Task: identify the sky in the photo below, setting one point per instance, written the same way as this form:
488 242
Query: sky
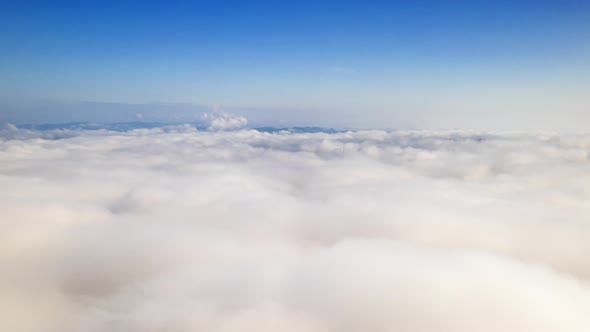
491 65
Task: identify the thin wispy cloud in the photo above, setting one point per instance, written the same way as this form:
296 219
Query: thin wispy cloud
341 70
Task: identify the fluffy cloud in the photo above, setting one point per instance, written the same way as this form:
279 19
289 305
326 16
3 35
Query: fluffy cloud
219 120
181 230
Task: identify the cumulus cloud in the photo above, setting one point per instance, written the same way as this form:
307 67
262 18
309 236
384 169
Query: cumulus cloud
219 120
177 229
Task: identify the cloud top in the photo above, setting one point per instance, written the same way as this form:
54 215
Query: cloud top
186 230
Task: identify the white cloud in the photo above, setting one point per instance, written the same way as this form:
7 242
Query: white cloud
219 120
181 230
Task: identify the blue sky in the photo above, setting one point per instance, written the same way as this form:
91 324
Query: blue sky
477 64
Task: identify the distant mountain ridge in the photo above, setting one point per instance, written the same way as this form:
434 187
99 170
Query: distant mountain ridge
298 130
126 126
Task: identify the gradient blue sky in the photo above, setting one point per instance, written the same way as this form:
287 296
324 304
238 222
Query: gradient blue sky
446 64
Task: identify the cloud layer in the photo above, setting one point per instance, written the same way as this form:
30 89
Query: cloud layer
174 229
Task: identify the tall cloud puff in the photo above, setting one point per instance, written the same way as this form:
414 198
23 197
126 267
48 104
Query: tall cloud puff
180 230
219 120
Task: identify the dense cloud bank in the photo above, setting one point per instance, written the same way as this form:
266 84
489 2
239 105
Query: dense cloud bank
174 229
